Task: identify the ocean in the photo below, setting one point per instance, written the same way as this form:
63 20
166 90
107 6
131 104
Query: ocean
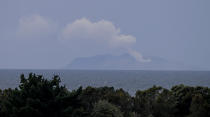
129 80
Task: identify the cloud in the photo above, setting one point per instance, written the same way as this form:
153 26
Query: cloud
99 37
35 26
79 38
138 56
101 31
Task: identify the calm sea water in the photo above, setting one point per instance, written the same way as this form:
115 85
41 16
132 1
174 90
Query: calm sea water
129 80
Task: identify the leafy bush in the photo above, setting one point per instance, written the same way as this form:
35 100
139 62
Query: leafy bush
39 97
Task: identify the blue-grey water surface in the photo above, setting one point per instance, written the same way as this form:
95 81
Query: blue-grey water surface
129 80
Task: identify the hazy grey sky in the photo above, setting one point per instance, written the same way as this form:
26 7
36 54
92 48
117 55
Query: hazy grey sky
51 33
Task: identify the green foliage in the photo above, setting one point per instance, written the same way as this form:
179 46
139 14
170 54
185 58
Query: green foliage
40 97
105 109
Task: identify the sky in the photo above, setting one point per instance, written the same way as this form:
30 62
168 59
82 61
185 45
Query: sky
49 34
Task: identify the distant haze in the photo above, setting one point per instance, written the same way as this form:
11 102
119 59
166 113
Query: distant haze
37 34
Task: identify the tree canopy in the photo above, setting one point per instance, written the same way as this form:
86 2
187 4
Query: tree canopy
40 97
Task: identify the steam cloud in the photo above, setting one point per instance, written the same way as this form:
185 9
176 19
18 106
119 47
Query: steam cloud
99 37
35 26
82 37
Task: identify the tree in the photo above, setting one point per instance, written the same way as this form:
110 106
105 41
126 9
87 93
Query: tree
40 97
199 107
105 109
